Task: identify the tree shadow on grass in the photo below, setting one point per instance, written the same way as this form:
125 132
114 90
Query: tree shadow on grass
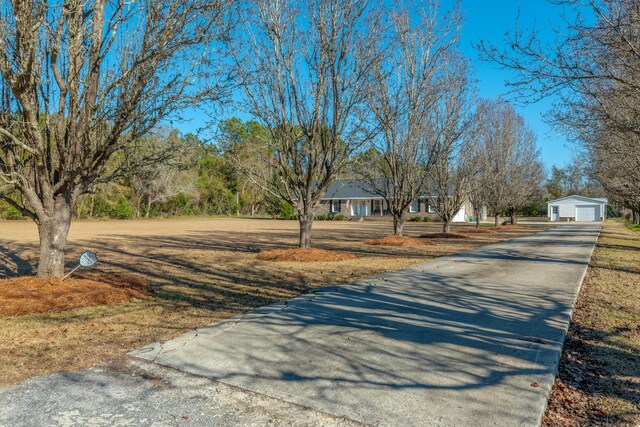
401 336
600 364
11 262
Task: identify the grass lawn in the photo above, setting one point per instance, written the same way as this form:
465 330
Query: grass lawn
201 270
599 380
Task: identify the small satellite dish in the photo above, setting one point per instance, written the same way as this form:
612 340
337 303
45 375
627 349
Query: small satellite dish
87 259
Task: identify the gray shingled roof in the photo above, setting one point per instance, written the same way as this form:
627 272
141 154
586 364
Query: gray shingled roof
350 189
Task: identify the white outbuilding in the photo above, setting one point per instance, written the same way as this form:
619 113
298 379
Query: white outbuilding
577 208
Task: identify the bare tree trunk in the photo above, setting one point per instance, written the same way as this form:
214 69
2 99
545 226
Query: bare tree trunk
238 203
478 214
306 222
146 214
497 218
398 222
513 216
446 225
91 208
54 231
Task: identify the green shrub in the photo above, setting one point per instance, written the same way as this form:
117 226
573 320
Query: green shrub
415 219
322 217
426 219
122 209
338 217
9 212
278 208
286 210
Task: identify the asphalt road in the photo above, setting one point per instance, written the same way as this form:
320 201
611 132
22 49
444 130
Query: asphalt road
469 339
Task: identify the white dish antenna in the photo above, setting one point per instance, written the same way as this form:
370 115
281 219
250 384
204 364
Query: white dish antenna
87 259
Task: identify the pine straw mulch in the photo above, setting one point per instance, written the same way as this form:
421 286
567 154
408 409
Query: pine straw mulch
398 241
29 294
305 255
450 235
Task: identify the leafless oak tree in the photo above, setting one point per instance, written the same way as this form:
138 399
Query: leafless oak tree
82 79
592 66
303 66
506 153
615 164
453 166
407 87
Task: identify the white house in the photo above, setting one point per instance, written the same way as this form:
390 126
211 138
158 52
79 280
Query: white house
356 198
577 208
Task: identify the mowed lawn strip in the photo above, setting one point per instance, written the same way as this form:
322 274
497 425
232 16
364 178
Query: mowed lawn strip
201 271
599 373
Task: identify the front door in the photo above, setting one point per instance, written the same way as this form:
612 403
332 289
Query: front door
363 208
555 213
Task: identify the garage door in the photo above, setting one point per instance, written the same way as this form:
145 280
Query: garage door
587 213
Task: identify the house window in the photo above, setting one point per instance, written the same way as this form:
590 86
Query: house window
431 208
335 206
415 207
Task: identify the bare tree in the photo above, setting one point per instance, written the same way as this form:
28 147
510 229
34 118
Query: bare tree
407 86
303 67
156 181
507 146
246 145
479 183
526 175
592 67
80 80
615 164
453 166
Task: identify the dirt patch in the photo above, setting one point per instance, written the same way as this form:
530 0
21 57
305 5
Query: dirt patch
29 295
398 241
456 235
305 255
477 231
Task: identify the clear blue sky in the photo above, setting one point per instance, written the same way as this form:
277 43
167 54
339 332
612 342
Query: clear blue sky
488 20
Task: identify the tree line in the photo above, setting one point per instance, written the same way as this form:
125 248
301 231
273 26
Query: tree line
592 68
86 87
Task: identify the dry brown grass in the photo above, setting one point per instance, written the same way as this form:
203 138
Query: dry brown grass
599 373
30 295
508 227
392 240
201 270
456 235
305 255
483 230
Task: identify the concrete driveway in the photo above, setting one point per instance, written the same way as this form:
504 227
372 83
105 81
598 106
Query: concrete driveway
469 339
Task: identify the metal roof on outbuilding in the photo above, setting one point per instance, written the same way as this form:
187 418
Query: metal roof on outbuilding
576 197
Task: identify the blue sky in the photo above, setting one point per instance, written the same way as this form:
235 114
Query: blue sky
488 20
491 20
